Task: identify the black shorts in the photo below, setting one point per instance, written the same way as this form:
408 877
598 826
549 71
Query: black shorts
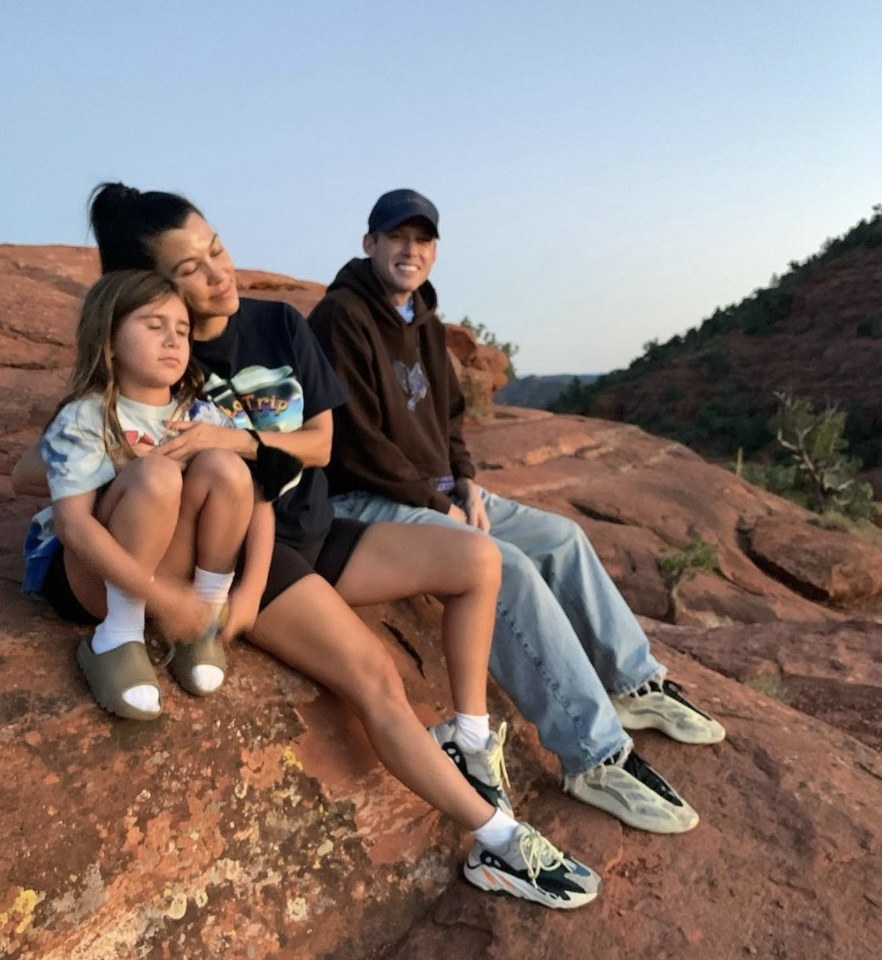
327 558
56 589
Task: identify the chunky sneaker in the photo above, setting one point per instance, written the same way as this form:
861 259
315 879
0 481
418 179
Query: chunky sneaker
532 868
628 788
662 706
484 769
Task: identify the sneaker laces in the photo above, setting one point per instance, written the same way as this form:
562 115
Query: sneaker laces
617 759
495 756
538 853
651 686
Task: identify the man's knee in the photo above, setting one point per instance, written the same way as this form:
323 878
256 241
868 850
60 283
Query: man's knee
517 568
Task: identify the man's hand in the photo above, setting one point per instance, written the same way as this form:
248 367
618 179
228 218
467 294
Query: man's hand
457 513
475 513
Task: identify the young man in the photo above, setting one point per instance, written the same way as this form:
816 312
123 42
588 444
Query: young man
566 648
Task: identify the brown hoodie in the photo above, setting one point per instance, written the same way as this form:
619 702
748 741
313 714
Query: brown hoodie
400 434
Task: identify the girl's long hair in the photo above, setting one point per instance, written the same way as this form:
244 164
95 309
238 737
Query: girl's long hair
106 306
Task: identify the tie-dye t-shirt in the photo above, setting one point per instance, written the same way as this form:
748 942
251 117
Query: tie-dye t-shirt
267 372
74 449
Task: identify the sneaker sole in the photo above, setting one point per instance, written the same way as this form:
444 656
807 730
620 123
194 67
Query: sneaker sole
671 823
649 720
493 882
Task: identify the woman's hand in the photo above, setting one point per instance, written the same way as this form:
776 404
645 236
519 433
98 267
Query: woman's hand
195 436
244 606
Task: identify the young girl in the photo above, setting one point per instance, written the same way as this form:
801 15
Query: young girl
268 372
134 527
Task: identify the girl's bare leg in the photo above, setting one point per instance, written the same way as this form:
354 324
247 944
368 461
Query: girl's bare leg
215 509
463 568
311 628
140 508
216 506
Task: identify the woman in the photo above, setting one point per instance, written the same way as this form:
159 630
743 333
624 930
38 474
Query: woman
265 370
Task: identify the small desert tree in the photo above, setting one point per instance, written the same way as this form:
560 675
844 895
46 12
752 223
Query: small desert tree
816 444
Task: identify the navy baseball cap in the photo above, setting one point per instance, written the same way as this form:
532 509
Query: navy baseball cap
393 208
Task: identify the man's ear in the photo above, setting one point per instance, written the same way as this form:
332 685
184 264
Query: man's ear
369 244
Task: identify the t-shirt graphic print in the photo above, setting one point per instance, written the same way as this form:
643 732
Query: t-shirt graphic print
257 398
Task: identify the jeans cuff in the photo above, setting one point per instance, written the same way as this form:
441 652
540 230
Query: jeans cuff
657 675
627 744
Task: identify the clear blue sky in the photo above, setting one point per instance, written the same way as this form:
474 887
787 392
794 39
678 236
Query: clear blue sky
606 172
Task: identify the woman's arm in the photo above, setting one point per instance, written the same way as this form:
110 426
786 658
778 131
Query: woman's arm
246 594
311 443
29 474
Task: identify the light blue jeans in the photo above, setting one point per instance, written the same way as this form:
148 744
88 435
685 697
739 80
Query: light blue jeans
564 635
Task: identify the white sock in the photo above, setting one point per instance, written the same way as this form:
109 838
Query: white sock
497 831
144 696
123 624
207 677
213 588
472 732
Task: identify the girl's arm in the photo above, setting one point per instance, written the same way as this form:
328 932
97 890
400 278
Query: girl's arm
29 474
246 594
311 443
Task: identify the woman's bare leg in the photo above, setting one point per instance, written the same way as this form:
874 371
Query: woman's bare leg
463 568
311 628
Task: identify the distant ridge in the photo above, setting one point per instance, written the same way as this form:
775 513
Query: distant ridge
538 392
815 332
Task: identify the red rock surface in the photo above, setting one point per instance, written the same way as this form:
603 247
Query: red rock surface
258 824
482 370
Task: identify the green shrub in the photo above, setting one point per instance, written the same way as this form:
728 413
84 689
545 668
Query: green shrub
816 446
676 566
679 565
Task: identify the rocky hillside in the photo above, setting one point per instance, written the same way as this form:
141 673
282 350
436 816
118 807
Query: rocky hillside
258 823
538 391
816 332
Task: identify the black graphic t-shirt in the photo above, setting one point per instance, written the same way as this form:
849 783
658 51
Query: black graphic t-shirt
266 371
